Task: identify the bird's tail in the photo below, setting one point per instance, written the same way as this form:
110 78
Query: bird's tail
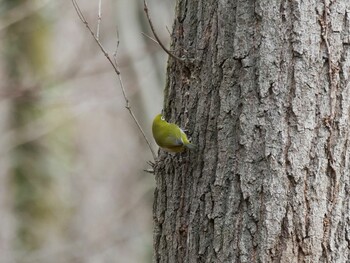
190 146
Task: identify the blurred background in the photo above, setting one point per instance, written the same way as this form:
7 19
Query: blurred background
72 185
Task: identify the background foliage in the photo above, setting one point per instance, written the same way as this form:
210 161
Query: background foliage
72 187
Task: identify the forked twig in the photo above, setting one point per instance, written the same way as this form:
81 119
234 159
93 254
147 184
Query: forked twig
156 36
151 38
115 67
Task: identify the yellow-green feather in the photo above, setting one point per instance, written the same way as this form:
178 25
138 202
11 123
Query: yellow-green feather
169 136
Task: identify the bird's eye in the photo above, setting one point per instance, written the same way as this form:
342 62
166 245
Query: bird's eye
162 118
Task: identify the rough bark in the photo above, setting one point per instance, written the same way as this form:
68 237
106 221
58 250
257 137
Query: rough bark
266 100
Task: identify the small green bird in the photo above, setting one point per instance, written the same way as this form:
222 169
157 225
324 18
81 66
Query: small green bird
169 136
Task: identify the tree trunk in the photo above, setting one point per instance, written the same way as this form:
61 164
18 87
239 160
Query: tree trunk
264 94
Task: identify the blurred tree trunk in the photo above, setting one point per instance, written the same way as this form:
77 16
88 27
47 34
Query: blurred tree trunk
25 46
267 102
7 229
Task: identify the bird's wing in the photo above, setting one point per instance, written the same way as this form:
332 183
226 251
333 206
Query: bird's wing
174 137
171 140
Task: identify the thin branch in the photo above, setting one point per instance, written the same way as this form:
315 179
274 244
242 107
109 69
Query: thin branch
156 36
115 67
116 47
99 18
167 28
151 38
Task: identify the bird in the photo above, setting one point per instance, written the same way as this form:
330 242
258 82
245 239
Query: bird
169 136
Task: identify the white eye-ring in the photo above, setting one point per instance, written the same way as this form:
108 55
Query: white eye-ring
162 118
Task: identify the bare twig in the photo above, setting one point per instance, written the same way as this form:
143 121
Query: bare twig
99 18
151 38
116 47
115 67
156 36
167 28
151 170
